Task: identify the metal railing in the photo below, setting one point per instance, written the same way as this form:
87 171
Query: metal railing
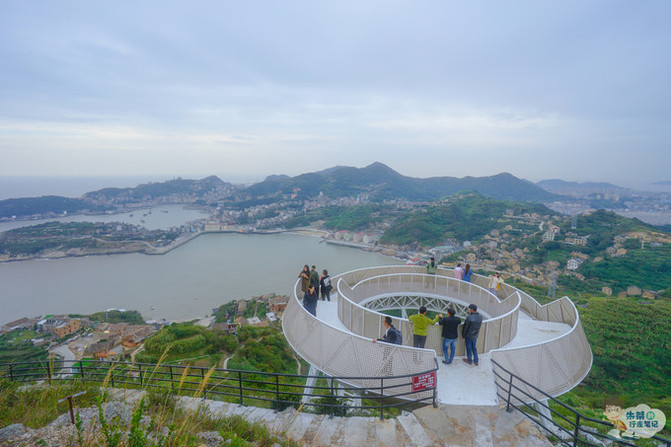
569 426
435 290
339 353
274 390
556 365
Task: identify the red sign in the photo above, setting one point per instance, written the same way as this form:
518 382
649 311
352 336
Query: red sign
423 381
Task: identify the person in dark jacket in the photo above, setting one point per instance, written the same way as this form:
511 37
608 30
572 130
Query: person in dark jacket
310 300
390 335
450 326
314 279
325 285
470 332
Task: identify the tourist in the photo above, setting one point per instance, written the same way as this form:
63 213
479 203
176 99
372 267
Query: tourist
310 300
450 334
467 273
431 268
495 283
470 332
305 278
391 335
314 279
458 271
325 285
420 322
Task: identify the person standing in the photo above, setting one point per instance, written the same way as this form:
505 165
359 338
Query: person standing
467 273
495 283
450 334
458 271
325 285
470 332
420 322
310 300
314 279
431 268
304 275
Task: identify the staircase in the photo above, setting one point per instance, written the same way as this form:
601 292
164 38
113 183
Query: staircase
447 425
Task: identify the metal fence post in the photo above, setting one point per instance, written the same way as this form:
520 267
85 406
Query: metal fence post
172 384
333 401
81 369
277 393
510 390
11 372
240 386
381 401
111 374
577 428
139 369
202 375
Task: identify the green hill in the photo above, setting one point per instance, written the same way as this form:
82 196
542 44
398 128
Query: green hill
468 217
179 186
55 205
380 183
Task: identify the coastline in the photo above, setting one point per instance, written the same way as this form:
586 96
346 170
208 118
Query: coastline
154 251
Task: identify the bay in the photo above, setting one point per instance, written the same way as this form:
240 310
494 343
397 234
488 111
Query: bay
184 284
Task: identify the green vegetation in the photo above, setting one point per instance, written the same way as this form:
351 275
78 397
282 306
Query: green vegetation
114 316
36 406
186 341
167 425
648 268
16 346
91 237
255 308
358 218
271 353
46 205
225 311
178 186
467 217
631 343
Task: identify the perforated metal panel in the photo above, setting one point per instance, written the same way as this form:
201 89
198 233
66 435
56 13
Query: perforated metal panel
554 366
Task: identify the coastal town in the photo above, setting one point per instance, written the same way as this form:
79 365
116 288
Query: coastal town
530 243
105 335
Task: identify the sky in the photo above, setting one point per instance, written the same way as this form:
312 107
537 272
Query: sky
577 90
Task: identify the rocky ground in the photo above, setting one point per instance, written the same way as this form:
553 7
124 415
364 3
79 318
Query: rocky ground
446 425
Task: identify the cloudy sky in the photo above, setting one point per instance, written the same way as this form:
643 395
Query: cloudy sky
578 90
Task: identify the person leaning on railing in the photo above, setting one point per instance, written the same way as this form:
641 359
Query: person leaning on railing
391 335
420 322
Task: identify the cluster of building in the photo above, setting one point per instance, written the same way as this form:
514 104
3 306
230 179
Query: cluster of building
275 304
59 326
110 340
361 237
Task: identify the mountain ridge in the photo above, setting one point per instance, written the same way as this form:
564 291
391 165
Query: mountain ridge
380 182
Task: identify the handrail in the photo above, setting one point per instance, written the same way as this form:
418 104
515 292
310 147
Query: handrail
568 356
505 387
556 365
497 331
340 353
279 390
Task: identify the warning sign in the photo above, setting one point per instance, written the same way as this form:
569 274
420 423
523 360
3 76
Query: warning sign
424 381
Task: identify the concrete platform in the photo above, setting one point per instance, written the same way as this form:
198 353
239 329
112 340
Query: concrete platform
460 383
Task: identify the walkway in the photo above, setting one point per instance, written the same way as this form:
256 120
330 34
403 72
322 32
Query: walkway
460 383
544 345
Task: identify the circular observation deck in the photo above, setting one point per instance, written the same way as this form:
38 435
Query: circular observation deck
544 345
